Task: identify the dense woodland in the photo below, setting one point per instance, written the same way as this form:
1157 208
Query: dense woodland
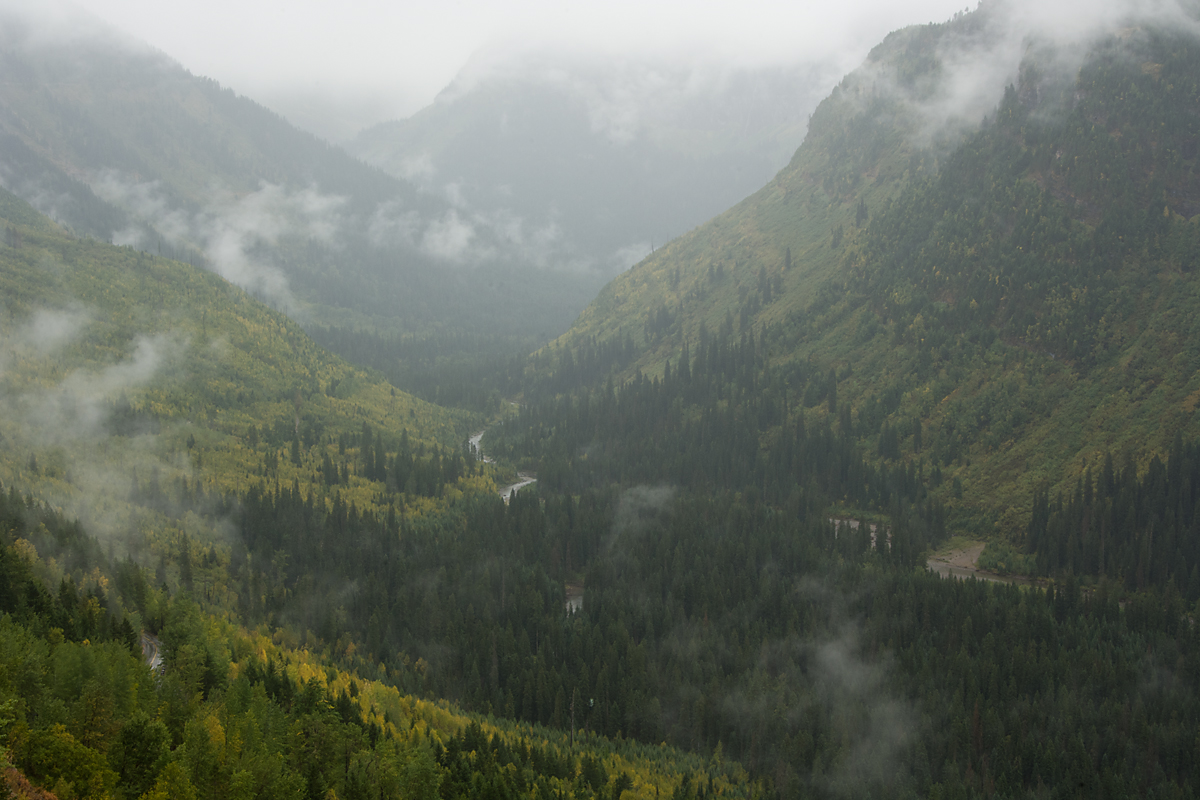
236 714
1050 228
346 607
1137 529
984 299
704 618
256 497
459 369
730 580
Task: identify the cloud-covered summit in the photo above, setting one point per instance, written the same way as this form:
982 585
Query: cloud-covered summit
585 163
980 53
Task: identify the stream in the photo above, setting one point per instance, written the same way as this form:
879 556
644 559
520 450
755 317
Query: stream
524 479
573 600
152 653
476 443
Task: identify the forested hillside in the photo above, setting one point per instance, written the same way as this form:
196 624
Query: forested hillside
1004 303
148 397
745 452
790 407
107 341
119 142
246 502
226 712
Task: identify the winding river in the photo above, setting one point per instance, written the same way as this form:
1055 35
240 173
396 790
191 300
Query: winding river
524 479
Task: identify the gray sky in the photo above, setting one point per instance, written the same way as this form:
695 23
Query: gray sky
341 66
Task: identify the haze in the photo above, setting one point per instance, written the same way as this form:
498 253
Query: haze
337 69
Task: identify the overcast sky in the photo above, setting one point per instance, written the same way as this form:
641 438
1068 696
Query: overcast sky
342 66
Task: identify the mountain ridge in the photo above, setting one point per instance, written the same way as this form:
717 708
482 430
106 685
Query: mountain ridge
124 144
607 159
879 240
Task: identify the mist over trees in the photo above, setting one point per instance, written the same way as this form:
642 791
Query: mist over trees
233 564
591 161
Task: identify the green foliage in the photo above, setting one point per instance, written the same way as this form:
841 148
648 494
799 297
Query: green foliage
163 139
1137 529
1002 558
743 463
1022 295
90 720
139 754
924 373
170 356
451 369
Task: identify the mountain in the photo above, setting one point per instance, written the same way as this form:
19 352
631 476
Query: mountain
591 163
737 489
900 347
119 142
1002 303
127 375
149 646
187 471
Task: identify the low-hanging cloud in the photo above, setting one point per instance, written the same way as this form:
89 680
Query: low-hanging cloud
629 255
464 235
391 225
692 99
78 407
449 238
881 725
977 62
231 228
640 508
688 116
829 676
63 419
639 511
418 169
236 233
44 333
542 244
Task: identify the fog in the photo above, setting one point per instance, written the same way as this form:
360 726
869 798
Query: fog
978 65
57 412
580 162
229 227
339 70
702 108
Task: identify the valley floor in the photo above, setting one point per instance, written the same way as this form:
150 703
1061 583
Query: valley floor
962 562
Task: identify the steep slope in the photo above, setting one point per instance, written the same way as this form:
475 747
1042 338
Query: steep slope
119 142
124 371
228 710
1002 304
594 162
229 477
114 683
864 142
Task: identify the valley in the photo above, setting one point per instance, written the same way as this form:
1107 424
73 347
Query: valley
883 481
475 446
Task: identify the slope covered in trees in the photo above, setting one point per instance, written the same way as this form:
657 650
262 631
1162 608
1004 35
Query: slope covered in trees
742 497
234 713
905 379
119 142
147 398
107 343
240 479
1004 302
